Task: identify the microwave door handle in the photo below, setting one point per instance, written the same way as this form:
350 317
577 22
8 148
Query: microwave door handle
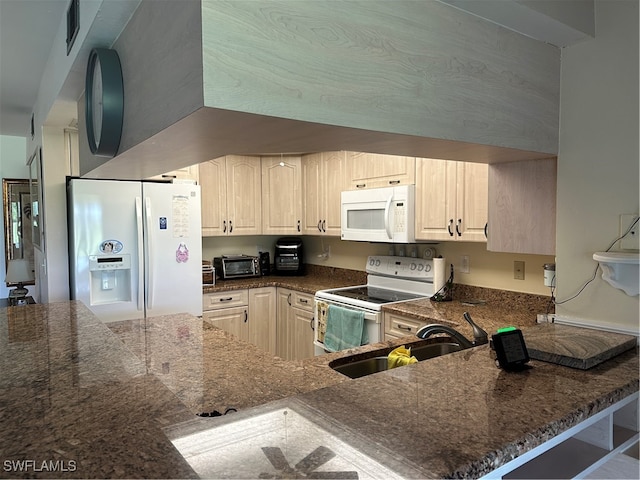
387 220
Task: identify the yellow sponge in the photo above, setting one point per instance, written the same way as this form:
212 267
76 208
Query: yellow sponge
400 356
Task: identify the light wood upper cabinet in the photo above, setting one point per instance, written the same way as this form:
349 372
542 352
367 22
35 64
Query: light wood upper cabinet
281 195
371 170
187 173
323 179
231 196
522 207
451 200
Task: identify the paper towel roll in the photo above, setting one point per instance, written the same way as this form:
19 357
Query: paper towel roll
439 273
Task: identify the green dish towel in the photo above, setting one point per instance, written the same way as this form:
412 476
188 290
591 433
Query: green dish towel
345 329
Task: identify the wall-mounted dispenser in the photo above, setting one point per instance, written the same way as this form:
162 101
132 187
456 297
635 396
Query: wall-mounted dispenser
620 270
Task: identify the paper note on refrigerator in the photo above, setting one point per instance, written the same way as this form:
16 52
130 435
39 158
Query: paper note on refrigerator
180 213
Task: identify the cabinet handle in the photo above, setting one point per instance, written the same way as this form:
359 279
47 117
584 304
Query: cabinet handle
230 226
458 227
169 176
449 227
319 225
324 224
289 299
303 300
394 182
226 299
246 316
402 327
486 226
361 185
311 323
298 225
224 226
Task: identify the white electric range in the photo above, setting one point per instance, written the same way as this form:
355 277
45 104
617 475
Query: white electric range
390 279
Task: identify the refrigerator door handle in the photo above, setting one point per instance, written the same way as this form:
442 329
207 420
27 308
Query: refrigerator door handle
140 253
149 270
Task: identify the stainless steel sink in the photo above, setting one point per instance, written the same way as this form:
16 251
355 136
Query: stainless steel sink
367 366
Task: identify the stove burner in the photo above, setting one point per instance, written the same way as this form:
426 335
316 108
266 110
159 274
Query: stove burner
375 295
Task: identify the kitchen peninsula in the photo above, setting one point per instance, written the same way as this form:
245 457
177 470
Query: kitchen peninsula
90 401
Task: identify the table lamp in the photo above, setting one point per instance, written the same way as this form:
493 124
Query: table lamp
18 272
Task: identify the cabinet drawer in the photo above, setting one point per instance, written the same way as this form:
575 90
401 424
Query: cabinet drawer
303 301
401 326
232 298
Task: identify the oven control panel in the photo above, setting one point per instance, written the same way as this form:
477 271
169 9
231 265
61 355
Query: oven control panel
402 267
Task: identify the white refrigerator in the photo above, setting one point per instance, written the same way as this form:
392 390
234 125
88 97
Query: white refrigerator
135 248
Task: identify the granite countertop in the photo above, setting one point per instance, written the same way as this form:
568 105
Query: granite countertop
316 278
120 400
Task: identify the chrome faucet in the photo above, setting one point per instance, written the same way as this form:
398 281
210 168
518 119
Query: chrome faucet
480 337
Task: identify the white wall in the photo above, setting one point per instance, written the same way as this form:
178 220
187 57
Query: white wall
598 172
487 269
13 164
54 270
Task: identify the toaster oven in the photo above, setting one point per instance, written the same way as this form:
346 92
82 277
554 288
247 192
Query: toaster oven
236 266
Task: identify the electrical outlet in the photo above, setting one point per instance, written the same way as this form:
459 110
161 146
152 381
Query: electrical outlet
631 241
518 270
326 254
464 264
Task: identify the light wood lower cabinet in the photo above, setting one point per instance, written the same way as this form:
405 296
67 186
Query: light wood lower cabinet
278 320
234 320
262 318
396 326
294 325
249 314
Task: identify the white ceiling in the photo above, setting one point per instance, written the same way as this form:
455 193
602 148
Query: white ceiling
27 30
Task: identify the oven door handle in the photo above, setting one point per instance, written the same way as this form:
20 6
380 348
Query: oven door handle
387 220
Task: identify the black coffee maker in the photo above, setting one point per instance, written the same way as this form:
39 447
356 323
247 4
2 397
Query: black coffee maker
288 256
265 263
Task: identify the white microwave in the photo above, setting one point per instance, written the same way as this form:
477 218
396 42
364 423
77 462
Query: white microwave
379 214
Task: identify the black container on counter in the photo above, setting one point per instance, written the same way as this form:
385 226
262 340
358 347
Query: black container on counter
265 263
289 256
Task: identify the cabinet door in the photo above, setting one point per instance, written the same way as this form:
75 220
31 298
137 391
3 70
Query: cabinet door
262 318
301 334
435 199
186 173
333 182
312 193
472 201
284 299
370 170
397 326
244 187
281 195
213 188
232 320
522 207
231 298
